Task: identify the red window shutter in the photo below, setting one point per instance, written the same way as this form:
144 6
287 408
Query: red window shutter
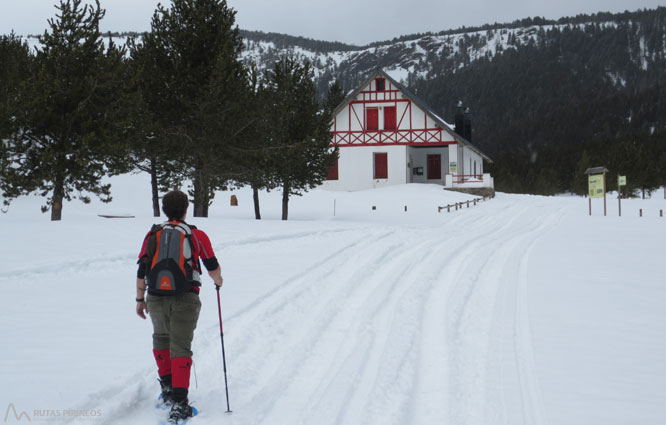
372 119
381 166
434 167
333 171
389 118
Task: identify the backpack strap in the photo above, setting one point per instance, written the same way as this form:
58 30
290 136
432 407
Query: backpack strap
187 228
153 230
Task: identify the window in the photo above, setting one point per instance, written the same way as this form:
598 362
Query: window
389 118
372 119
380 84
434 167
381 166
333 171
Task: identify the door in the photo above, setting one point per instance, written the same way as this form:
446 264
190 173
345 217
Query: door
381 166
434 167
333 171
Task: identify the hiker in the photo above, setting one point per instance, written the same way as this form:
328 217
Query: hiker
169 269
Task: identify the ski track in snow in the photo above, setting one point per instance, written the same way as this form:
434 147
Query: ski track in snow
349 338
362 315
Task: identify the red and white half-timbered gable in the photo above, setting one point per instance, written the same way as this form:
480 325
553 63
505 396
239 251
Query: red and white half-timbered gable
388 136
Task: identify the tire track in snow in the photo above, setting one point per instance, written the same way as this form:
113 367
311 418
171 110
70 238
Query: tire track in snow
280 326
365 385
531 398
389 321
432 394
359 379
314 345
472 326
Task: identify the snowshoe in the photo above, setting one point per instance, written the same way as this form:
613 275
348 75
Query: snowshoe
181 412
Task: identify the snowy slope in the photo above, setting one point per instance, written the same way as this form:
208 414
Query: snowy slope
522 309
422 55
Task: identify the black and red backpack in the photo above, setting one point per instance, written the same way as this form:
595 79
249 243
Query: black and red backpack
169 259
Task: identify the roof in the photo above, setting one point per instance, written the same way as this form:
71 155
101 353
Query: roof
416 100
596 170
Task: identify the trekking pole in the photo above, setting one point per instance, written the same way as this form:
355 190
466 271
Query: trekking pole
224 360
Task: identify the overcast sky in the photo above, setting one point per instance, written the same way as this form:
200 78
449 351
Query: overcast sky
350 21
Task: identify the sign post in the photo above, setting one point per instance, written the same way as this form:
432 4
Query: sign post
596 185
621 181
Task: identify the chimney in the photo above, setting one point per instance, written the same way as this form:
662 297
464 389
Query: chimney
467 126
459 119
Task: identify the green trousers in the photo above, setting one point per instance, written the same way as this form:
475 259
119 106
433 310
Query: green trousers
174 319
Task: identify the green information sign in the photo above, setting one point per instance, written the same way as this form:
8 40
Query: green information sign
595 184
453 167
621 180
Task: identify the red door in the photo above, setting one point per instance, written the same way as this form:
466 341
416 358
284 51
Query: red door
381 166
434 167
333 171
389 118
372 119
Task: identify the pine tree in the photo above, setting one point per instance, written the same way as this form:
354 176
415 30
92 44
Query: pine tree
65 130
203 86
334 96
301 130
151 149
16 67
254 155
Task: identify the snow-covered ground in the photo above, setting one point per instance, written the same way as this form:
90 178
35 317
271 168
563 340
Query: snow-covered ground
520 310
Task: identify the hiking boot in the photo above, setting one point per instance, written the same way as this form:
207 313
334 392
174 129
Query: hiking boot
180 411
166 398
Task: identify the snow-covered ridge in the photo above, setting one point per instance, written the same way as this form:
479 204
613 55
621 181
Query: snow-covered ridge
431 54
424 55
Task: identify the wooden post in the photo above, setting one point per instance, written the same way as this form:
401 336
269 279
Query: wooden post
468 203
640 212
448 208
604 194
405 208
661 213
590 205
619 201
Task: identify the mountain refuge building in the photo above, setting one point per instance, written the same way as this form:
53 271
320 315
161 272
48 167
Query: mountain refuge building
386 136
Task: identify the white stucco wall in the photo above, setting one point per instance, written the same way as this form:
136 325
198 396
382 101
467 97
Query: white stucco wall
356 168
469 159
